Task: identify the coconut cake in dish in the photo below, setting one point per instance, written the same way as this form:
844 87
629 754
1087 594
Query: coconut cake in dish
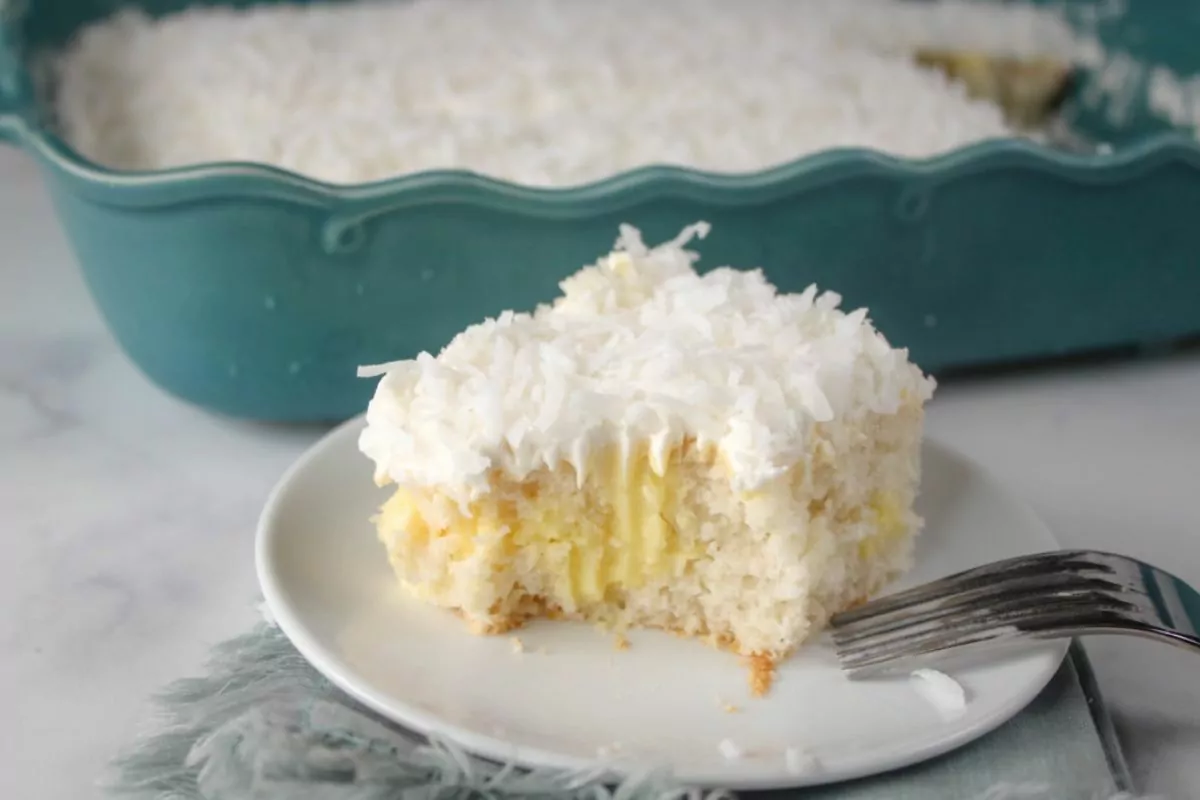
659 448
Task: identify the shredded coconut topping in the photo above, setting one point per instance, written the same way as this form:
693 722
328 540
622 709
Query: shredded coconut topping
544 92
639 347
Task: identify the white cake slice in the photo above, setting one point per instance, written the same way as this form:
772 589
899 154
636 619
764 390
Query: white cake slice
657 448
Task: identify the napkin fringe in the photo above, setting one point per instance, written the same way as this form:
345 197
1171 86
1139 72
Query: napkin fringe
262 724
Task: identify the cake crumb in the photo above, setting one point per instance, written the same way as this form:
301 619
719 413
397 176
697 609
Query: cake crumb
798 761
729 750
620 642
517 645
762 673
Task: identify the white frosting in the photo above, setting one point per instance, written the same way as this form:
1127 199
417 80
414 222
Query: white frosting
639 346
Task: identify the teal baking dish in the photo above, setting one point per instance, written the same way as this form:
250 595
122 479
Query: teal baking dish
255 292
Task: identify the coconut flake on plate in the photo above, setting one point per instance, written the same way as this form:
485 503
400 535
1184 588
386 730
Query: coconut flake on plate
729 750
941 691
799 761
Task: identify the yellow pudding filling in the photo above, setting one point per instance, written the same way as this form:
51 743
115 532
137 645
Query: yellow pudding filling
621 530
892 523
639 541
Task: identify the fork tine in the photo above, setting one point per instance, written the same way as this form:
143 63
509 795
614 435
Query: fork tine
999 595
1012 613
989 574
1049 623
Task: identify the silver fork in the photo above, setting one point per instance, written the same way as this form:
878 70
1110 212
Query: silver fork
1050 595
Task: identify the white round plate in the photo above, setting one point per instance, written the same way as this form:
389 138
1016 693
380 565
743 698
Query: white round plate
571 698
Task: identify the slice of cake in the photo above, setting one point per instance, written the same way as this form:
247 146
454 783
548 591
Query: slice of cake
657 448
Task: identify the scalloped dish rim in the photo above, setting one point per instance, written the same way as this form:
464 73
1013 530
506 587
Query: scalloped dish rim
189 183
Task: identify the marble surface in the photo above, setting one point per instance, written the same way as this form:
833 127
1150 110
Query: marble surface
131 516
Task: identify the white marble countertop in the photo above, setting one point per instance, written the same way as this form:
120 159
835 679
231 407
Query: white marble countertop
132 516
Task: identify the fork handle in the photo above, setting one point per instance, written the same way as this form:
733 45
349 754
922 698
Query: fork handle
1177 603
1144 630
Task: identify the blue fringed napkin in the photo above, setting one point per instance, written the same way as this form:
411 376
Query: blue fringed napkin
264 725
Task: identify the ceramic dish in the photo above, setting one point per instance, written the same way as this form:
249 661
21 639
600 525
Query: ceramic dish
256 292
